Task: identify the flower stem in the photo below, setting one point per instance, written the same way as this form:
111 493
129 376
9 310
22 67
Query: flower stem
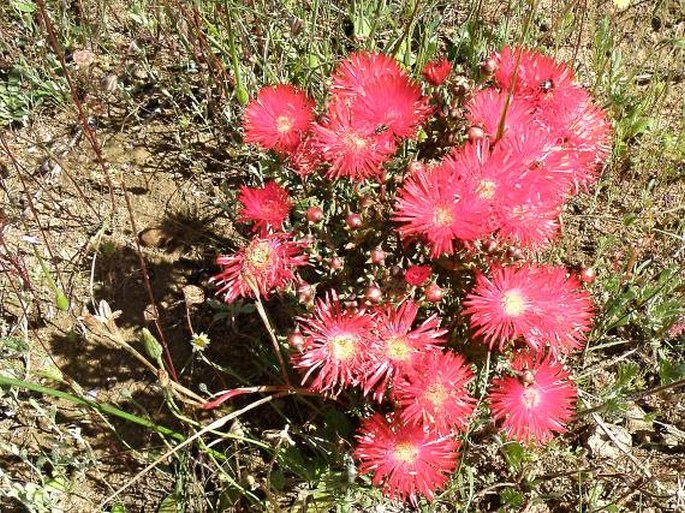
274 340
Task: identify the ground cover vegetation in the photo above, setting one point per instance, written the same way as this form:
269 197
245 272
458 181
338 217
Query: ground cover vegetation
356 256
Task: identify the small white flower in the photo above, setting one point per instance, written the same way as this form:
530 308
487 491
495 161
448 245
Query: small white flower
199 341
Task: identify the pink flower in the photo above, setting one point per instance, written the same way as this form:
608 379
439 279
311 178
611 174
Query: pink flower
336 346
266 206
396 345
305 158
438 205
538 75
278 118
535 404
417 275
407 460
568 312
352 149
264 265
545 166
352 75
583 130
538 303
435 393
436 72
394 103
485 111
528 219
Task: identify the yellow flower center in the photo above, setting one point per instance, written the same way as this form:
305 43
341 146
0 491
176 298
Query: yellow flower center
486 189
436 394
257 255
355 141
406 452
530 397
442 216
397 348
343 346
284 124
514 303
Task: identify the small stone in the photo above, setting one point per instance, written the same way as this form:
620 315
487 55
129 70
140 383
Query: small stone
153 238
635 420
193 295
601 446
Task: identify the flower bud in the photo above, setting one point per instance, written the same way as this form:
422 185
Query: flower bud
433 293
373 294
377 256
314 214
588 275
305 292
528 377
490 246
515 253
489 66
296 340
475 133
354 221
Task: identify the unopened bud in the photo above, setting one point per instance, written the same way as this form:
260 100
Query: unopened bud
373 294
314 214
296 340
528 377
588 275
433 293
336 263
489 66
354 221
475 133
377 256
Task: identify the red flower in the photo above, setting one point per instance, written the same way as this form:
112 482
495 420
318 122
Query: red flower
278 118
437 71
417 275
408 461
352 75
438 205
535 404
394 103
435 393
336 346
352 150
265 264
266 206
396 345
537 303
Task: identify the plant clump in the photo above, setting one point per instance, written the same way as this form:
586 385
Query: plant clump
404 265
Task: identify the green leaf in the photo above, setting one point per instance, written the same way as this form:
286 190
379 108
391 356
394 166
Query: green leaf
670 371
514 454
118 508
23 6
170 505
